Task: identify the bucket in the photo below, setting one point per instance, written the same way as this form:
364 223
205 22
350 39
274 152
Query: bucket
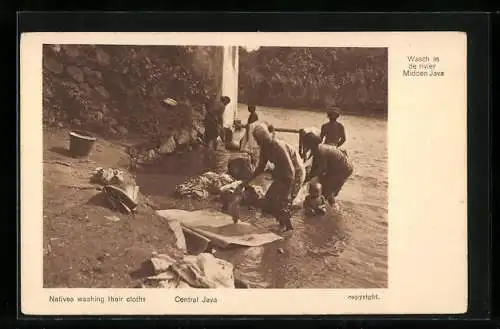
80 143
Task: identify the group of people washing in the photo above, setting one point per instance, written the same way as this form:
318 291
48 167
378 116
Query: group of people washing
329 170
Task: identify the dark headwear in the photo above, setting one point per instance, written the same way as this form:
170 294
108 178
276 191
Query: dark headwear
226 100
333 112
311 140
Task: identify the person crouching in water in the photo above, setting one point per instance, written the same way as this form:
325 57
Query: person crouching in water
302 150
288 174
331 166
315 202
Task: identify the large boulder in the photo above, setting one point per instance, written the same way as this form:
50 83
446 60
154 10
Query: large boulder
168 146
76 73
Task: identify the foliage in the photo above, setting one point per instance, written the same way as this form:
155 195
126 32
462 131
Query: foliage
354 79
102 87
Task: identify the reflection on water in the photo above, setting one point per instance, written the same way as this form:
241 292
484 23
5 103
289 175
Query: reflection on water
346 248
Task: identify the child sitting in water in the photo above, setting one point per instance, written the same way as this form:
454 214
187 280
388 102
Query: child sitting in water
315 203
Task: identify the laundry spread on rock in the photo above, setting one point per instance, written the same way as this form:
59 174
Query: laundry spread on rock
201 187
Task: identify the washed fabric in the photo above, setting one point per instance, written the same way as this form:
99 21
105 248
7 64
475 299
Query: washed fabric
200 271
219 228
201 187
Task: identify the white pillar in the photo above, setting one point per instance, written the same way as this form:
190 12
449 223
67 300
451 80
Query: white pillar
230 83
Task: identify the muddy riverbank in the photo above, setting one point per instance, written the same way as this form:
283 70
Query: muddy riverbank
347 249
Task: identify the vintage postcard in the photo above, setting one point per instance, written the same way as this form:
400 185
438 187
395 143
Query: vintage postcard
243 173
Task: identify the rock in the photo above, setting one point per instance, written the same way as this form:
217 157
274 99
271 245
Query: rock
161 263
76 73
93 76
183 137
104 109
330 261
151 154
112 131
56 48
102 91
53 65
122 130
180 239
112 218
49 93
193 136
71 50
102 57
86 88
112 122
168 147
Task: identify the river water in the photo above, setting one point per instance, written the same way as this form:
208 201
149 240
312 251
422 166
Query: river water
347 249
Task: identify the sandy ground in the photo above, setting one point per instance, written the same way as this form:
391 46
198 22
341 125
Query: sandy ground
82 248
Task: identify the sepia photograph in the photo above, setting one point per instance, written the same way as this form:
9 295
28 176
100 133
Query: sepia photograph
192 173
214 166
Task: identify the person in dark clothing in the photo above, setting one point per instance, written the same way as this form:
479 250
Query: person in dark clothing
213 121
253 115
333 132
331 166
304 153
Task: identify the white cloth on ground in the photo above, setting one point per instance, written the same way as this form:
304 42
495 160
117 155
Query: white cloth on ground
200 271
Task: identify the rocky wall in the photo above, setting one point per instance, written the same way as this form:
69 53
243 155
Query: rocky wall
118 90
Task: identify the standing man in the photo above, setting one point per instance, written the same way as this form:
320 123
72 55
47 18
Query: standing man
213 121
288 174
333 132
331 166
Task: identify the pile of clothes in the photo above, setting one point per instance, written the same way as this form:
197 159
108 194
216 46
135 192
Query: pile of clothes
193 271
201 187
106 176
120 195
